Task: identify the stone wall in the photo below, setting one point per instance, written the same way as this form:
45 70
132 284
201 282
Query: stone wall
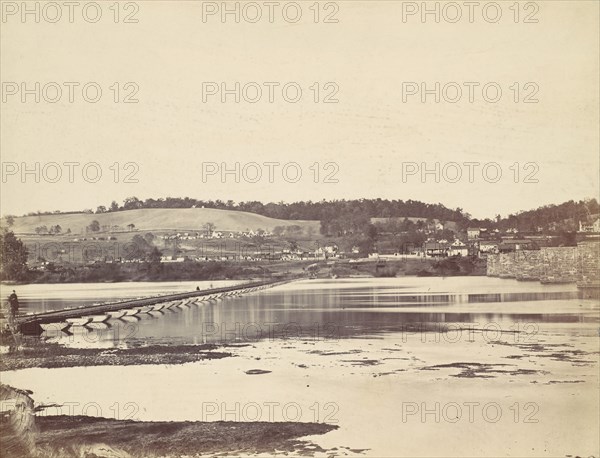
559 264
588 264
523 265
550 264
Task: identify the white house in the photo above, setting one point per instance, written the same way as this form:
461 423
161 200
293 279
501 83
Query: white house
170 259
326 251
594 227
488 247
457 248
473 233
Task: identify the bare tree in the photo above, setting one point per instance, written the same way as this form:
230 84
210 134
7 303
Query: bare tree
209 228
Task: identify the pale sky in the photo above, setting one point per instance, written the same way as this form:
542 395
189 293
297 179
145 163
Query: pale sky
368 134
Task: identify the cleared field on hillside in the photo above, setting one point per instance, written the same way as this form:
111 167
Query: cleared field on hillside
162 219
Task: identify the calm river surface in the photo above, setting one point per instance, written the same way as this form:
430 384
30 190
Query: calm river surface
462 366
320 309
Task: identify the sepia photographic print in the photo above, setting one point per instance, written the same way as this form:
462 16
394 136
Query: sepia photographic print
309 228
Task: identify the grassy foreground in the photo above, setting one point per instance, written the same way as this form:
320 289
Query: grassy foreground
91 437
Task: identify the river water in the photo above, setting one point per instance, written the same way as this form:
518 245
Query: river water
318 309
463 366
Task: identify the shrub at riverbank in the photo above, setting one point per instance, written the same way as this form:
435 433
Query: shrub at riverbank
115 272
227 270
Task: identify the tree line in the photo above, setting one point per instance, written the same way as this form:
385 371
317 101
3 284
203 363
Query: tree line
302 210
352 216
561 217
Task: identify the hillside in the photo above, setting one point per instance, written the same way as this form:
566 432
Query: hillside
399 219
161 219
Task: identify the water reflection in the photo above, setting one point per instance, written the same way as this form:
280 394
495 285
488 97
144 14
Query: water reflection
346 309
37 298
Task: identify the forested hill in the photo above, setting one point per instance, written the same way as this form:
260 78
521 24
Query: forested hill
315 211
355 215
561 217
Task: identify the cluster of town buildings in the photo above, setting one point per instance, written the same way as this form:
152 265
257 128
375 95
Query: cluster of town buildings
481 242
216 235
476 241
264 252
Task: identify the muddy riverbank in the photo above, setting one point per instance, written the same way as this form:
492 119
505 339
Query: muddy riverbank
34 353
24 434
68 436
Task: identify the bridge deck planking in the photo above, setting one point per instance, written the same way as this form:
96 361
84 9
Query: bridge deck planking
30 324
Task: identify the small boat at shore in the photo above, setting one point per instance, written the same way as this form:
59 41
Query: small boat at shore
97 326
131 312
79 321
55 327
98 318
116 314
157 307
130 318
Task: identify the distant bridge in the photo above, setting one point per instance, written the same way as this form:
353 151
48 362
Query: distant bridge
34 324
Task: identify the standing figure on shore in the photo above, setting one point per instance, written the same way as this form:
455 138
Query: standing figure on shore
13 300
